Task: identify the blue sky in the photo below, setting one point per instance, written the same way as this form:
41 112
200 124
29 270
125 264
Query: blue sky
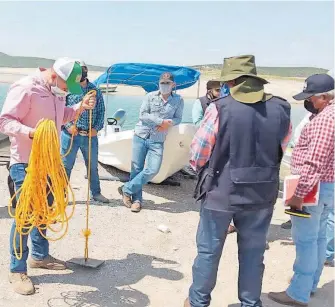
278 33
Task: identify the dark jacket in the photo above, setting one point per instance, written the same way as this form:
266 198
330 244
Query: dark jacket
243 169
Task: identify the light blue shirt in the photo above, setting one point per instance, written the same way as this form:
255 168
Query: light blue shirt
197 113
152 113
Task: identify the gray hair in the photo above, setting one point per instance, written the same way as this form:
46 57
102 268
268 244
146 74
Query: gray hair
329 94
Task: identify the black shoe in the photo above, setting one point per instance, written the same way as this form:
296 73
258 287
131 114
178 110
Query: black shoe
286 225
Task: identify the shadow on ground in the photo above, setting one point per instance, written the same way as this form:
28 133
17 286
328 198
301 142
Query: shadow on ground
278 233
113 282
4 213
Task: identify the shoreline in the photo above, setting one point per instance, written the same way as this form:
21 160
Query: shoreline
285 88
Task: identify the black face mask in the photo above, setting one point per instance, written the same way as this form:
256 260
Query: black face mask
310 107
83 76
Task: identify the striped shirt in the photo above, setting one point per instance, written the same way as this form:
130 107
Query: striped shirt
313 156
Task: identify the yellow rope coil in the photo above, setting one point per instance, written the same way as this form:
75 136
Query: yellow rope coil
46 176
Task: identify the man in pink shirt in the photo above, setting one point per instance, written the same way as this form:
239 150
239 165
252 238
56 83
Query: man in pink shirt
30 100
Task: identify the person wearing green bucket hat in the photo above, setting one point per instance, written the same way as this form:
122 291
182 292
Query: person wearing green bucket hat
237 152
240 74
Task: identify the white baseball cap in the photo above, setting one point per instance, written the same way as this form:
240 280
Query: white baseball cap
70 71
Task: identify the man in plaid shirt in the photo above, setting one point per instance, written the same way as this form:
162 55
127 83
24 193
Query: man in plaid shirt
313 160
204 140
80 132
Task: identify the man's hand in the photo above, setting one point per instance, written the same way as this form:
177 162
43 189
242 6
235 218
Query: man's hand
72 130
295 203
167 123
32 132
94 132
89 101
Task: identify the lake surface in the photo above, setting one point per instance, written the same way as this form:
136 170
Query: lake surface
131 104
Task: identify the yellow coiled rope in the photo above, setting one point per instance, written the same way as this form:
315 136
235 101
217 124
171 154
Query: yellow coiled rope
46 177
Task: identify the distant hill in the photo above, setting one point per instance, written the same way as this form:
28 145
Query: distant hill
207 69
294 72
33 62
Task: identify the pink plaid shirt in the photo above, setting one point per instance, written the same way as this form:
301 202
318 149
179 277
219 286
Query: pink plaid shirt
204 139
313 156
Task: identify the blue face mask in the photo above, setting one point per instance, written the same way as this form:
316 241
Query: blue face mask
165 88
225 90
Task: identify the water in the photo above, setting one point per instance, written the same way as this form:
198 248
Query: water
131 104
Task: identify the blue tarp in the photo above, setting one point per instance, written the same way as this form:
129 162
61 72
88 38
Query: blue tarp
147 75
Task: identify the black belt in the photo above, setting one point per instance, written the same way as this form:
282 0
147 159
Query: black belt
83 132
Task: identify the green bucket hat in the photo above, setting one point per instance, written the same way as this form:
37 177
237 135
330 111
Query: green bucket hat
239 66
249 90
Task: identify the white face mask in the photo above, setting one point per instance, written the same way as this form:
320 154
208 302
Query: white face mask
58 92
165 89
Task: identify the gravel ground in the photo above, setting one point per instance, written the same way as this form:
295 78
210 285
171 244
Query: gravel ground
143 266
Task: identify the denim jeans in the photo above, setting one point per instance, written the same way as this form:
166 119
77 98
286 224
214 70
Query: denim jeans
146 161
310 239
81 142
252 227
40 245
330 236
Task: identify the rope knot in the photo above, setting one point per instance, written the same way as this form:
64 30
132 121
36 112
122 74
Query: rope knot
86 232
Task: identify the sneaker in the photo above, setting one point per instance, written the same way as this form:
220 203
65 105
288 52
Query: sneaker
126 199
22 284
101 199
136 206
284 299
286 225
48 263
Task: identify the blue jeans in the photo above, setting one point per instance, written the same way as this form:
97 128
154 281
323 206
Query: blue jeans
330 236
40 245
310 239
81 142
252 227
144 150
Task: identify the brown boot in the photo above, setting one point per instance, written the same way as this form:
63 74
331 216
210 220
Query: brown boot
22 284
48 263
136 207
290 280
187 303
284 299
126 199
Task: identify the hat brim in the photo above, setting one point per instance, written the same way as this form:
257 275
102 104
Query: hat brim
251 90
302 96
74 87
231 77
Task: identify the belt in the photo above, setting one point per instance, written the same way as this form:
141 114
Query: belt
83 132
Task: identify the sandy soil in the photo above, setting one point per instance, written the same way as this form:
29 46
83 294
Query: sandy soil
143 267
282 87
